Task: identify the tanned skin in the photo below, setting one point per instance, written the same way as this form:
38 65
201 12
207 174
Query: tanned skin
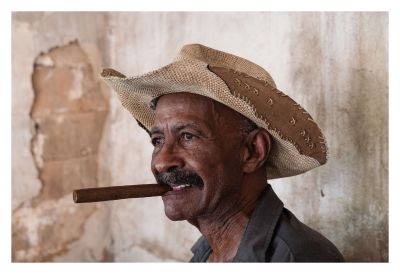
194 133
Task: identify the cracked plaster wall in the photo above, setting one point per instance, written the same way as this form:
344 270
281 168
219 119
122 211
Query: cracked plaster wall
334 64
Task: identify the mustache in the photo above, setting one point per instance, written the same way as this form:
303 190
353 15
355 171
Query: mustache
179 177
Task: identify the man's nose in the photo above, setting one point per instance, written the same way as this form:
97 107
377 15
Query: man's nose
167 159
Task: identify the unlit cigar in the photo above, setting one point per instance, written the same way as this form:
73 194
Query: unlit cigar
99 194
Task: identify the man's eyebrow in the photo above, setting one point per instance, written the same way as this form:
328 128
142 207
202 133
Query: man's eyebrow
155 130
186 125
178 127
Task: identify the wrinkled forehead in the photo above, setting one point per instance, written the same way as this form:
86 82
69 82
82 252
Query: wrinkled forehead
193 105
186 105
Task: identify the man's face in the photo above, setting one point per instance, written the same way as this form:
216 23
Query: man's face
197 150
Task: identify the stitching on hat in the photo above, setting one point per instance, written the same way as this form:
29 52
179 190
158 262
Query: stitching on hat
279 133
267 123
323 146
305 112
237 81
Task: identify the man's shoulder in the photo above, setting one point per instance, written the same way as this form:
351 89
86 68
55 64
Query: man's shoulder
296 242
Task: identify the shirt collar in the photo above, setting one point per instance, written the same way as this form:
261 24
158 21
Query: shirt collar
201 250
257 235
260 229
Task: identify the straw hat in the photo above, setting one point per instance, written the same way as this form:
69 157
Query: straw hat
298 143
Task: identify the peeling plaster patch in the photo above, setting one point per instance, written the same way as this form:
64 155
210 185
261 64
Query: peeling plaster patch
68 113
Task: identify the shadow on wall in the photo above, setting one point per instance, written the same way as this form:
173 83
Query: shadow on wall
68 113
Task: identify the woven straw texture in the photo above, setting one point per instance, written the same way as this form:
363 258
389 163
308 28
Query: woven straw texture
189 73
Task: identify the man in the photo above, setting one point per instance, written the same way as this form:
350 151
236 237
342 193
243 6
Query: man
220 129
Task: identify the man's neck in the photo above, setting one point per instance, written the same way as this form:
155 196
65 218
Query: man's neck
224 230
224 237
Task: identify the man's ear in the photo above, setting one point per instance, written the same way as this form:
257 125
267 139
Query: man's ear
257 146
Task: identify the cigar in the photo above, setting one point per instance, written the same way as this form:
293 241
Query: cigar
99 194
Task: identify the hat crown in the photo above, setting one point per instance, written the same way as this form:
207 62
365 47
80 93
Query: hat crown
215 57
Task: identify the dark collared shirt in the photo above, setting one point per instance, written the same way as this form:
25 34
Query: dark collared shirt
274 234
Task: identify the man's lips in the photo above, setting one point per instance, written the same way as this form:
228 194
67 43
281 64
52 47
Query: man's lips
179 190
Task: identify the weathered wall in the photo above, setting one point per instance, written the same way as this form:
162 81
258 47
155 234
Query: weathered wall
59 116
334 64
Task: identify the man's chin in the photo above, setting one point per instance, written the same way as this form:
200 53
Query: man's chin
178 212
174 215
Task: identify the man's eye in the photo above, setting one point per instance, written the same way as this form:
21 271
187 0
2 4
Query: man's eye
187 136
156 141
